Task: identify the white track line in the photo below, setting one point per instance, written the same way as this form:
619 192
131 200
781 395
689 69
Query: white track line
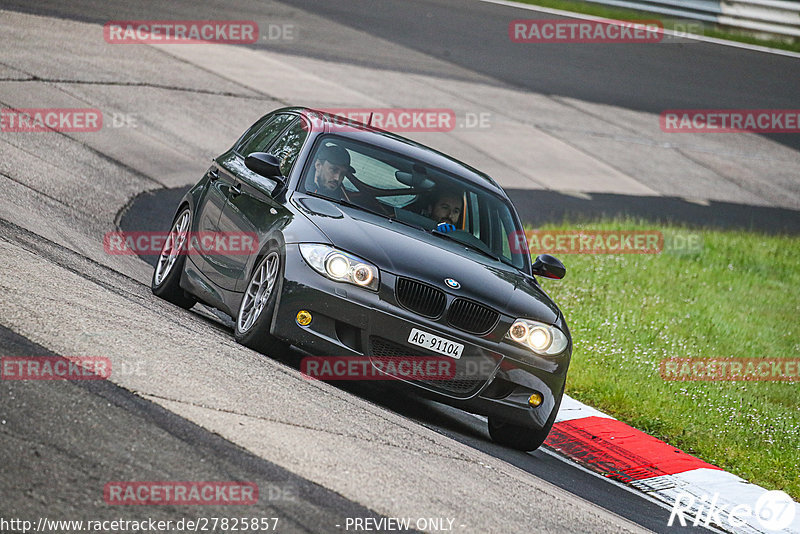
701 483
583 16
572 463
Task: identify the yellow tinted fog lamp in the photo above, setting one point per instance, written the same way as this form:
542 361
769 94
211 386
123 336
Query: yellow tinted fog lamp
303 318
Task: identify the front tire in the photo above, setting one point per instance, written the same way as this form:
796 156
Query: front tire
518 437
166 282
258 305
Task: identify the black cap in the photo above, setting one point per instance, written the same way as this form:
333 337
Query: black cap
336 155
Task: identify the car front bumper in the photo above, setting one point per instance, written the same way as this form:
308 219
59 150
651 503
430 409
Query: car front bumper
492 377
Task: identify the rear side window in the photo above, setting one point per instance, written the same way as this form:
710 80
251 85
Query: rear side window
260 141
246 136
287 148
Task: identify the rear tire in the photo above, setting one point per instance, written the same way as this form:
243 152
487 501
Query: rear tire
258 305
166 282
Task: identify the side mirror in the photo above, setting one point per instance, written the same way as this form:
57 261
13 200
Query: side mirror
549 267
268 166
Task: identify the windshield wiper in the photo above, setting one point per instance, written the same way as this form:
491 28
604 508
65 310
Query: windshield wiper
394 218
434 231
472 247
344 202
349 204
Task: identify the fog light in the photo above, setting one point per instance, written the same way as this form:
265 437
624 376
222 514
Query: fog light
303 318
535 400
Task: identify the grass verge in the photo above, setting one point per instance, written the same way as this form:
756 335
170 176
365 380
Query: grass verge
735 296
682 25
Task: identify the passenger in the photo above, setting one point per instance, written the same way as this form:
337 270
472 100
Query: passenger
445 207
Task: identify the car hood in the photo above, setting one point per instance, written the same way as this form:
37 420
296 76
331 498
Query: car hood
406 251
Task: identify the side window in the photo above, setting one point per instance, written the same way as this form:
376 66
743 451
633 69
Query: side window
246 136
266 135
288 147
472 215
508 230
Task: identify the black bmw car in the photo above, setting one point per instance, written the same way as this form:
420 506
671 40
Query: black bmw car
368 245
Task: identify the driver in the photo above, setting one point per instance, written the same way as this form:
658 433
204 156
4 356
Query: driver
330 168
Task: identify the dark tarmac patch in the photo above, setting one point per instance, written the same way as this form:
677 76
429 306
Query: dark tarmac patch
61 442
538 207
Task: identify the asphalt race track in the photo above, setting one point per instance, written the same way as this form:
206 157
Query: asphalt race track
151 212
574 132
47 456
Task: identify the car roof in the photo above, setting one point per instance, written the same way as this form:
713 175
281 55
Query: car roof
359 131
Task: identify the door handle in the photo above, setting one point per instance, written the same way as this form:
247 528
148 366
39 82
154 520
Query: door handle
213 174
236 190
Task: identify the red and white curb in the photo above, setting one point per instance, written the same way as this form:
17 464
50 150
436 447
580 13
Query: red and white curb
699 493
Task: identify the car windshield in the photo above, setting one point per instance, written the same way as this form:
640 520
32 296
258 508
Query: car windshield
401 188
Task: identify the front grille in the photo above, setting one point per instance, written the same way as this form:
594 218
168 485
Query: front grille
420 298
472 317
468 378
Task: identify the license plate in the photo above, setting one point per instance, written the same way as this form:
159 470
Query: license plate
435 343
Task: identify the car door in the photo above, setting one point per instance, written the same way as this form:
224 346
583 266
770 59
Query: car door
224 175
250 209
208 213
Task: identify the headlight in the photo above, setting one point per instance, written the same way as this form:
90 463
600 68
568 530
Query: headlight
340 266
539 337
